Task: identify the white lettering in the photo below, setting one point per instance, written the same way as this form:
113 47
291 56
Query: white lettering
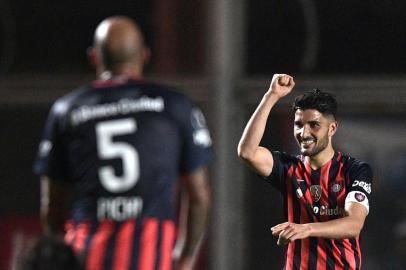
337 211
119 208
123 106
366 186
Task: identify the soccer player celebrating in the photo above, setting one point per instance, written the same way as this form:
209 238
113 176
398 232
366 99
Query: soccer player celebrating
326 193
112 154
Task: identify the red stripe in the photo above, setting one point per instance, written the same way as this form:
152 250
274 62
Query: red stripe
349 254
291 247
148 244
343 193
307 177
324 183
290 195
123 246
81 234
305 254
98 245
304 250
290 256
168 237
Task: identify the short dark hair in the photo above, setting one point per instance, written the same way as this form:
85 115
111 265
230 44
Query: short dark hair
319 100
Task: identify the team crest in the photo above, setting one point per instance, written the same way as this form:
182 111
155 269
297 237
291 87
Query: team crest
315 190
336 187
359 197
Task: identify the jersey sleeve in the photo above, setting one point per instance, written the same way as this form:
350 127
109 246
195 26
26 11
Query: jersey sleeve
196 140
50 158
281 164
360 176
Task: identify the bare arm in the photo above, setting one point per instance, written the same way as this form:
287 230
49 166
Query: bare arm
55 199
197 186
257 157
347 227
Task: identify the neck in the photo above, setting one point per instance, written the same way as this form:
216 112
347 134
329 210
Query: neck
133 72
317 161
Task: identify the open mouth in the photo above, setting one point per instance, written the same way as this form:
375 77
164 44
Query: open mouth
307 142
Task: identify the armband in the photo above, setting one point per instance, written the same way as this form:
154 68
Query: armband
357 197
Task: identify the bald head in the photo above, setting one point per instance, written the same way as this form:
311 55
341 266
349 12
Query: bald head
119 44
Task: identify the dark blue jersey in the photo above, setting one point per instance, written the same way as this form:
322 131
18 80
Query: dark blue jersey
123 145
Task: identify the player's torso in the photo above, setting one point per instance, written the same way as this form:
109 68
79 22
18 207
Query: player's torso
123 149
317 195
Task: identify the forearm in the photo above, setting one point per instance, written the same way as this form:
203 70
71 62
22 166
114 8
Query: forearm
340 228
255 127
198 217
54 206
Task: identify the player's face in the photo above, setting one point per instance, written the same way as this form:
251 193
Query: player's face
313 131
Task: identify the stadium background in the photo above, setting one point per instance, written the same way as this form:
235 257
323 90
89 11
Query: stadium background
222 53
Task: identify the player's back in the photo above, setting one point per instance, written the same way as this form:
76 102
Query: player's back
122 145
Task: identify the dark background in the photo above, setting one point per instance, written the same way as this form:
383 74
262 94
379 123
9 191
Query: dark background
358 38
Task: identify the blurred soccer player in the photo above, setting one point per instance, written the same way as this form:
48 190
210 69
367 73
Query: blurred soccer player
115 149
326 193
49 252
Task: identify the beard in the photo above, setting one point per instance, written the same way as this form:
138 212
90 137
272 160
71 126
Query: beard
318 146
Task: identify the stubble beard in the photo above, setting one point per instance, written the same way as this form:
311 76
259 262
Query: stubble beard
319 146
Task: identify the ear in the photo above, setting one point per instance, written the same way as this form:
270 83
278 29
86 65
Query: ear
332 128
91 56
146 55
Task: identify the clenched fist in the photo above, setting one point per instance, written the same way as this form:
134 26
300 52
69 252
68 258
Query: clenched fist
281 85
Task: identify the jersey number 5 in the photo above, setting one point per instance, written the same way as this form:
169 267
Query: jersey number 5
109 149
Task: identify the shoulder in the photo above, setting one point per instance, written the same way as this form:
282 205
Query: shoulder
357 168
352 163
164 90
285 157
63 104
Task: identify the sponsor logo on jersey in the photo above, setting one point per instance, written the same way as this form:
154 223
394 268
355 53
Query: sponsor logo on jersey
366 186
315 191
122 107
326 211
336 187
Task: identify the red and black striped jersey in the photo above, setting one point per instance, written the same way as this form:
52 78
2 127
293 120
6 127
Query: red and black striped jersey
317 196
122 145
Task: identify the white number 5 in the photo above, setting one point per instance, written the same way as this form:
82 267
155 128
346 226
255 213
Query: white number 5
108 149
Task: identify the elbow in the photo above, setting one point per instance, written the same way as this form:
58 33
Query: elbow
355 232
244 154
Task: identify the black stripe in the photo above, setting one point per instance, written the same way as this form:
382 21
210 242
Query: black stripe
355 252
296 218
136 244
340 245
329 255
313 243
315 180
109 253
332 175
158 246
313 256
93 228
